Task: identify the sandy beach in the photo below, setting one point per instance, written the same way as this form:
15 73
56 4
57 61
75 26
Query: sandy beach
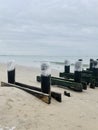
21 111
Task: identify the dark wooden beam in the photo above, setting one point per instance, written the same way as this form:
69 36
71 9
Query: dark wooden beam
57 96
44 97
64 84
86 77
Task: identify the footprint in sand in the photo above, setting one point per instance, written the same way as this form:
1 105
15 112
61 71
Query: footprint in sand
8 103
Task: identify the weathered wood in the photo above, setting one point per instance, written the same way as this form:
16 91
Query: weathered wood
96 84
85 77
63 83
57 96
71 85
44 97
67 75
66 93
87 71
45 84
93 73
93 84
28 86
84 84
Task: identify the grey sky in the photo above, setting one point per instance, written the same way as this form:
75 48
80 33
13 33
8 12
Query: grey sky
49 27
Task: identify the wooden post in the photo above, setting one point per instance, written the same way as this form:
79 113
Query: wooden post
67 67
57 96
91 64
62 83
44 97
45 78
11 72
78 71
80 60
95 69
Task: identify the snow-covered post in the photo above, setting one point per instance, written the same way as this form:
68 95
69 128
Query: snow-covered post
67 66
91 66
45 78
78 71
95 68
11 72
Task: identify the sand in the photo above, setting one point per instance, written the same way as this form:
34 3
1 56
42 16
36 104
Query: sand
22 111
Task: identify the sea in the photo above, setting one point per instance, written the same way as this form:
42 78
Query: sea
56 62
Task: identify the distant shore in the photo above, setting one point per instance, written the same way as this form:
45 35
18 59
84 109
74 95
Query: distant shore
57 62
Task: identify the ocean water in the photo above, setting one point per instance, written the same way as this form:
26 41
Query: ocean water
56 62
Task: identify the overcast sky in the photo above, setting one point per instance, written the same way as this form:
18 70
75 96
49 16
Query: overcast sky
65 27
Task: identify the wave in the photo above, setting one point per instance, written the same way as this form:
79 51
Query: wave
72 64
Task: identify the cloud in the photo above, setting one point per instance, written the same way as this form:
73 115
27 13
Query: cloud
49 25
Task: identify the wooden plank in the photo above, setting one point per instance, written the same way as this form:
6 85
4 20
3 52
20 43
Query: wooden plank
44 97
85 77
67 75
71 85
28 86
63 84
84 84
87 71
57 96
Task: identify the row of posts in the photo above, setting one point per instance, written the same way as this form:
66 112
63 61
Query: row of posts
46 73
94 67
45 76
78 69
